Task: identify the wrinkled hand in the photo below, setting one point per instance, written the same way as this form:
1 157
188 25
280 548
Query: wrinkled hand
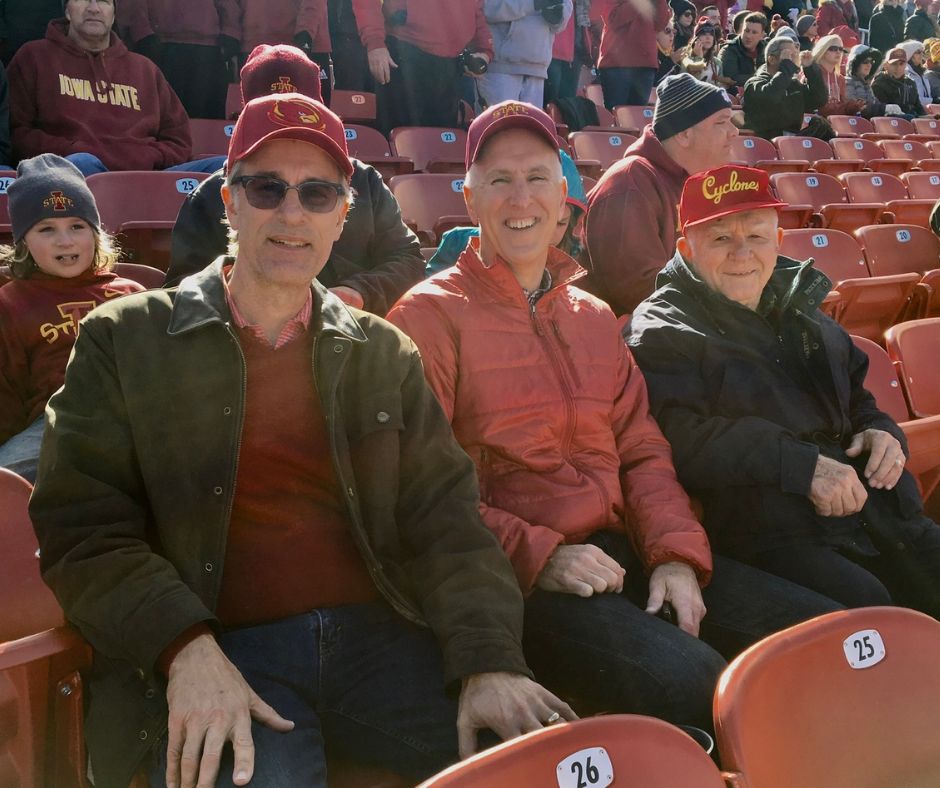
676 583
509 704
886 457
381 65
806 58
348 296
582 569
836 490
210 704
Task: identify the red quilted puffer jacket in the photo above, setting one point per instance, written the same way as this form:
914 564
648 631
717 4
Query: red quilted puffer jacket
553 410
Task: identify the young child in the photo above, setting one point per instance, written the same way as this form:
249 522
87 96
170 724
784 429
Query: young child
60 261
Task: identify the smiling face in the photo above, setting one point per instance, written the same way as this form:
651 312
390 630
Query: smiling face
734 255
516 192
285 246
63 247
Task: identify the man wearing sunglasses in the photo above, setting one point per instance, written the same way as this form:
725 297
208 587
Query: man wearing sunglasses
252 505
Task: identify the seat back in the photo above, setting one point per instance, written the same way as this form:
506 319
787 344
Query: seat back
606 147
922 185
926 126
424 144
364 142
836 254
856 148
899 248
148 276
882 380
905 149
873 187
427 197
233 100
814 189
6 229
849 125
915 345
353 106
809 148
619 749
851 698
892 125
210 137
750 149
633 118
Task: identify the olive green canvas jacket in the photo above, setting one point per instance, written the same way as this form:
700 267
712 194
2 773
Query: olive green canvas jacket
136 483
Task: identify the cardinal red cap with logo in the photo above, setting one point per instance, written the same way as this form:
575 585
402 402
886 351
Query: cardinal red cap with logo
508 115
724 191
289 116
279 68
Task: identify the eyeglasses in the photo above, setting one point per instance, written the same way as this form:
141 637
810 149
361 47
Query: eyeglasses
837 49
266 192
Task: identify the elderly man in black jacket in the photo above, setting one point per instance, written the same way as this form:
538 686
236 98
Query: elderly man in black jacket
762 398
375 260
775 98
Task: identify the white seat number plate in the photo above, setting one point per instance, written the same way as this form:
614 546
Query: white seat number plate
589 768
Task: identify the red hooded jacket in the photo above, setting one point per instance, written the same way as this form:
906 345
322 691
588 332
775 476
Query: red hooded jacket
180 21
550 405
278 21
115 105
629 37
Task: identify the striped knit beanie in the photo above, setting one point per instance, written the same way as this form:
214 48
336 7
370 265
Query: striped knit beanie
682 101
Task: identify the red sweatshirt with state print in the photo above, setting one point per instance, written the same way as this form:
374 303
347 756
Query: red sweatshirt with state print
115 105
38 325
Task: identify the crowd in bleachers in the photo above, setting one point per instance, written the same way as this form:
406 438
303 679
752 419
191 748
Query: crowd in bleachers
673 275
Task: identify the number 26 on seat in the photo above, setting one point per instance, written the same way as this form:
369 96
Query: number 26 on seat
590 768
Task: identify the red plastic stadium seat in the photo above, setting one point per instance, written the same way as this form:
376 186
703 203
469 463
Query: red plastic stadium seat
142 207
850 125
872 187
233 100
927 127
619 749
151 278
868 152
633 118
915 347
917 153
210 137
893 127
595 93
605 146
845 699
895 249
6 229
431 203
922 185
758 152
354 106
432 149
817 152
369 146
827 198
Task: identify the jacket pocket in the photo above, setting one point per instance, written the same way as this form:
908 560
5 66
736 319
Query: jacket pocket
380 411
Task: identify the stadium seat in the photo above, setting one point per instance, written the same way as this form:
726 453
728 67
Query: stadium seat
149 277
210 137
431 203
141 207
354 106
605 119
827 198
917 153
233 100
851 126
926 127
633 119
893 127
923 435
874 187
915 347
596 93
869 153
922 185
758 152
604 146
850 698
6 229
431 148
619 749
897 249
817 153
370 146
865 305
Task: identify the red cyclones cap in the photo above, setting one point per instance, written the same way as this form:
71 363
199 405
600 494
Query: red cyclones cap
289 116
508 115
723 191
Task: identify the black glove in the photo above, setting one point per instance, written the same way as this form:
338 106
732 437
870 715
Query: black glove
149 46
229 47
552 11
305 41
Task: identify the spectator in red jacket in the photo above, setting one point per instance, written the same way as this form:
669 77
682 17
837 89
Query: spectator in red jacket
414 51
189 40
628 58
61 262
835 13
80 94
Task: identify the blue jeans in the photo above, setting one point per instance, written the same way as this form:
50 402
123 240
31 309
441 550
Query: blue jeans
626 86
358 677
20 453
605 653
89 164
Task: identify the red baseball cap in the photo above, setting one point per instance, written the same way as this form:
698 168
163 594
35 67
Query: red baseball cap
508 115
724 191
289 116
280 68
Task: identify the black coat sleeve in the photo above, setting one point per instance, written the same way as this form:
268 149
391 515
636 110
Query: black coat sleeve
199 235
6 152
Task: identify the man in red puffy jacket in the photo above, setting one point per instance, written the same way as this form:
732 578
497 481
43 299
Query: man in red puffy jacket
576 479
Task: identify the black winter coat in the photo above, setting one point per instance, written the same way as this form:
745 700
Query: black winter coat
886 29
775 104
377 255
902 92
749 399
737 64
919 26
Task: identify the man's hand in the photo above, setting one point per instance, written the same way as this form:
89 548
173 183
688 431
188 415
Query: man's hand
582 569
806 58
676 583
210 704
885 457
508 704
381 65
348 296
836 490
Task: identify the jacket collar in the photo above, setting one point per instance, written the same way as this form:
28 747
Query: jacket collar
200 300
650 148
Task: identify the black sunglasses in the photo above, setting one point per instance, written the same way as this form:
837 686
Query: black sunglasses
267 192
837 49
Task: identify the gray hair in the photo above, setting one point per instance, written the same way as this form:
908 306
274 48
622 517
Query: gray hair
776 45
